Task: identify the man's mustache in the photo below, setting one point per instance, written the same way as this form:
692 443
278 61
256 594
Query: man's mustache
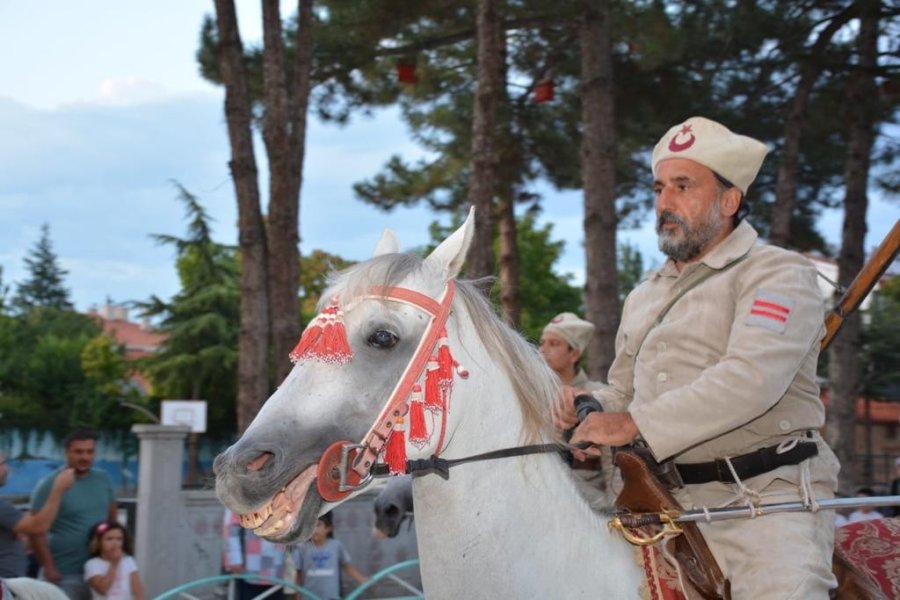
666 217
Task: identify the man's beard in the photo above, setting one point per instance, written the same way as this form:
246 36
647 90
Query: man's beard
694 240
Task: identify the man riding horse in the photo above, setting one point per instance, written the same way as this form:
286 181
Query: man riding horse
715 369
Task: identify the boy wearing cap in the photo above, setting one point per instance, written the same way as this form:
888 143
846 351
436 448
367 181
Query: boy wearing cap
562 343
715 369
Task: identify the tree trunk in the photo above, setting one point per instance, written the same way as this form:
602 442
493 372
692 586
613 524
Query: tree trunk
253 385
484 159
844 365
508 177
598 171
795 123
284 202
509 260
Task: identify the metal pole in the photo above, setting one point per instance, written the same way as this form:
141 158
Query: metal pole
669 519
723 514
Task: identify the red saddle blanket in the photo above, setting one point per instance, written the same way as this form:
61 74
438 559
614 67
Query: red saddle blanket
872 550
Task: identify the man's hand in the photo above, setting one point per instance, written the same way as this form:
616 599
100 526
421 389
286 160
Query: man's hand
564 416
65 479
51 574
234 568
604 429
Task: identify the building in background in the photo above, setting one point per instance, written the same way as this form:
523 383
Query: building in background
137 339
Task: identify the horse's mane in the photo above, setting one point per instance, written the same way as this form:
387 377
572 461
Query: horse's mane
535 384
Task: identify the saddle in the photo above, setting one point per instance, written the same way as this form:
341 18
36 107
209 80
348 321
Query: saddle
643 492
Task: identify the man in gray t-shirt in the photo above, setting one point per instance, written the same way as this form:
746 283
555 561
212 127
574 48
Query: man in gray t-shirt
90 501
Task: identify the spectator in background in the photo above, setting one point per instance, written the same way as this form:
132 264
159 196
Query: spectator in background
245 552
321 561
90 500
112 573
563 341
864 513
14 523
894 511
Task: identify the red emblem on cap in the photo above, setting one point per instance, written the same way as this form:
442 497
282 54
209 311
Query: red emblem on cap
557 319
676 146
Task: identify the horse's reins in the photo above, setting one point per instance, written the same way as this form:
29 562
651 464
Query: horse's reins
441 466
584 404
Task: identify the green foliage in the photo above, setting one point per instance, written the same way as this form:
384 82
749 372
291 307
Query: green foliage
198 359
45 286
314 272
41 379
544 293
4 293
105 368
881 344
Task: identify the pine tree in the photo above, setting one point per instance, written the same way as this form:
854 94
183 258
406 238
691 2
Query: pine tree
4 291
45 288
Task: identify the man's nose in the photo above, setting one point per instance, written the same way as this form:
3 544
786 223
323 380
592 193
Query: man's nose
663 200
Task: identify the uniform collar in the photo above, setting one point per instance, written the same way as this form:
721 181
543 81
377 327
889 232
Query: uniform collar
736 245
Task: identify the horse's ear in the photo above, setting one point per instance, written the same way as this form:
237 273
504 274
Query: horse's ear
388 244
450 255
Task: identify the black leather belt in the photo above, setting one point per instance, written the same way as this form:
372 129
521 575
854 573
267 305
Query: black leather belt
746 465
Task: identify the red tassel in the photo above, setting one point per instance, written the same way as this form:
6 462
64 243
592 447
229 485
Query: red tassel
325 339
418 434
395 449
445 367
433 396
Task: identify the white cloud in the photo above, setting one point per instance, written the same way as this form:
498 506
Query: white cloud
129 90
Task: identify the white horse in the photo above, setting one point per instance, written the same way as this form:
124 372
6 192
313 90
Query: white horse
509 528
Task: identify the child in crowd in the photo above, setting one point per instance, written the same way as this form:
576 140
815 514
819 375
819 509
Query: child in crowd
319 562
112 573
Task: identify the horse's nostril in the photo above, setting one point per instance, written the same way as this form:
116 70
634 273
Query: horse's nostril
259 462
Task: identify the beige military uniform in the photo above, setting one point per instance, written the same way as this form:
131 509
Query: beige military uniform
581 382
729 369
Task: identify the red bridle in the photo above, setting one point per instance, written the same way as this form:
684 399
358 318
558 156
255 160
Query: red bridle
344 466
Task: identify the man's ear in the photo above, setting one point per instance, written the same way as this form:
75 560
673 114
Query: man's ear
731 201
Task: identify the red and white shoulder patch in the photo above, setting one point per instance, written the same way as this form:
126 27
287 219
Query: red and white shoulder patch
770 311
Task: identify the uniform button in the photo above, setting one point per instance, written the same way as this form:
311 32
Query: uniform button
784 425
662 377
661 347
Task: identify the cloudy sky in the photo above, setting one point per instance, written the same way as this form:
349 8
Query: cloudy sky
101 108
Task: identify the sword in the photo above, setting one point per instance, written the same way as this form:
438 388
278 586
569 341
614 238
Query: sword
668 520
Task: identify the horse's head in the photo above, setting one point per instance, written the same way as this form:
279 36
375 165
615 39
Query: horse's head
269 475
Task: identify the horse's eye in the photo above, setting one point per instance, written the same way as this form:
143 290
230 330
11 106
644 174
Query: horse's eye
383 339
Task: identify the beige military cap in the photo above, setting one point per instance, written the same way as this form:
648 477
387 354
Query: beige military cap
576 331
735 157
